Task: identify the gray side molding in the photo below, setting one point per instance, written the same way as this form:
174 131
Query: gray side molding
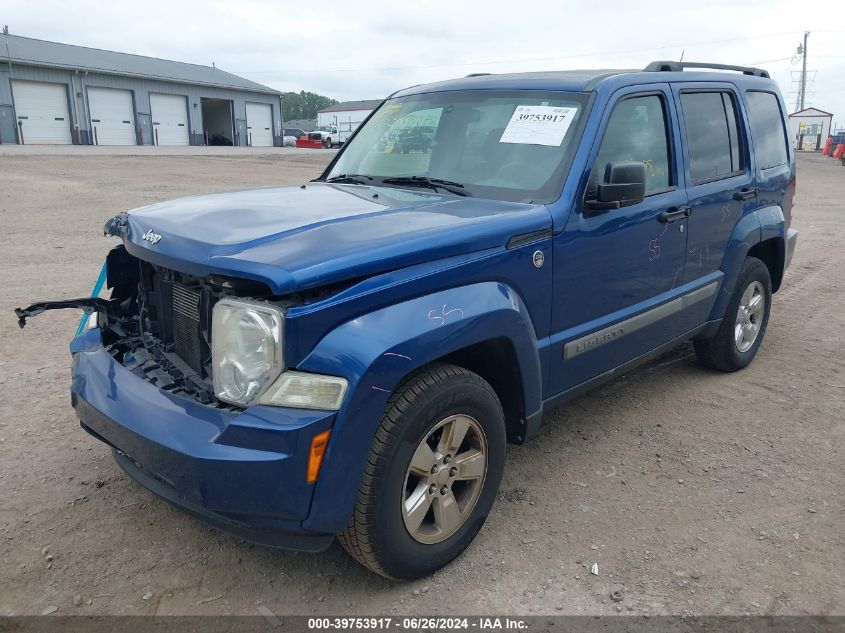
613 332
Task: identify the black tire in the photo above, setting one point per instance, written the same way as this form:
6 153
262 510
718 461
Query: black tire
721 351
376 535
327 143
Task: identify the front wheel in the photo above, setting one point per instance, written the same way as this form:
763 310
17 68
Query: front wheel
741 332
327 143
432 474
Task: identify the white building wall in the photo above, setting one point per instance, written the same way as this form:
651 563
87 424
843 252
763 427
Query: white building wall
77 83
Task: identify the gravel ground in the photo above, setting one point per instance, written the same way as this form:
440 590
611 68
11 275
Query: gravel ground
161 150
694 492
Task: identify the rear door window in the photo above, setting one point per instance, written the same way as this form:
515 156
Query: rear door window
767 129
713 140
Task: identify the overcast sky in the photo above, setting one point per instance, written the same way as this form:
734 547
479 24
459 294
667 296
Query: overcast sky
366 49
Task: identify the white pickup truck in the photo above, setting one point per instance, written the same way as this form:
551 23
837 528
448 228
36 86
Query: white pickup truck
332 135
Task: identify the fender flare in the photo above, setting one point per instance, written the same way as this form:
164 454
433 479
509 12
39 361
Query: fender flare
377 350
760 225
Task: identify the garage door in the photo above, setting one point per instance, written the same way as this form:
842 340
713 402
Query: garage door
112 119
259 124
170 119
41 110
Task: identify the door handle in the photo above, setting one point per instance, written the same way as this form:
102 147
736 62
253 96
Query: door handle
746 194
678 214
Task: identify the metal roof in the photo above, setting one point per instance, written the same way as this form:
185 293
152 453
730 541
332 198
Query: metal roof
575 80
821 113
589 80
370 104
26 50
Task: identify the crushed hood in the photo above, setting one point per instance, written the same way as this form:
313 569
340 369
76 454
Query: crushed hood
293 238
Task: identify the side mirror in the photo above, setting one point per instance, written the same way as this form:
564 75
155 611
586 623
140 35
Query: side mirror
622 186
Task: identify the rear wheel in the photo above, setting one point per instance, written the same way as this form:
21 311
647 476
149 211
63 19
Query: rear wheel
432 474
741 333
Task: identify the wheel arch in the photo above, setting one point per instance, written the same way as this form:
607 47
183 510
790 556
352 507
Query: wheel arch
772 253
495 360
376 351
761 234
771 247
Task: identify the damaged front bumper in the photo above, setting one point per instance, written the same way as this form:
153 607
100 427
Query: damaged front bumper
89 305
243 471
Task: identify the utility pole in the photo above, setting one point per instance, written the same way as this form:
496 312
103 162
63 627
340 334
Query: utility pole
8 54
18 135
803 88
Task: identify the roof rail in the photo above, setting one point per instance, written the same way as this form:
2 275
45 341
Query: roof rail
477 75
679 66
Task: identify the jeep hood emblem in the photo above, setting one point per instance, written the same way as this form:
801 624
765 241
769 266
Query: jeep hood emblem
152 238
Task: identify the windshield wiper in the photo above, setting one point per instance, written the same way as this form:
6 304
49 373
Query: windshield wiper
432 183
352 179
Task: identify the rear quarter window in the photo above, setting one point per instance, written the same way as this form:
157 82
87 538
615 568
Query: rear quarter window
767 131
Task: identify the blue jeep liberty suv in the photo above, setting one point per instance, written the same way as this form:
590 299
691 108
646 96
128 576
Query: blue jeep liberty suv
349 357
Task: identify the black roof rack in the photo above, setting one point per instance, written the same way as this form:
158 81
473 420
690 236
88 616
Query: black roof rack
679 66
478 74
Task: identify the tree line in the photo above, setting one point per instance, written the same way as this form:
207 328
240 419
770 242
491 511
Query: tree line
304 105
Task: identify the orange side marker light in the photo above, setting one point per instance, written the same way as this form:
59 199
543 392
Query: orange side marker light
319 443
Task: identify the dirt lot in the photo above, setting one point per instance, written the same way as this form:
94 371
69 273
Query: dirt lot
695 492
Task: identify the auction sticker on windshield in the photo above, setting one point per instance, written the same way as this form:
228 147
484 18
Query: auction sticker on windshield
538 125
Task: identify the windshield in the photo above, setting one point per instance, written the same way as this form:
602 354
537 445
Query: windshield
512 145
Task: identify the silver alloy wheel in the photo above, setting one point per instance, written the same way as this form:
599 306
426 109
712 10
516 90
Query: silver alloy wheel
444 479
749 316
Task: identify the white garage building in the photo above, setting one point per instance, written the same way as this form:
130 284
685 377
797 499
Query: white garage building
809 128
53 93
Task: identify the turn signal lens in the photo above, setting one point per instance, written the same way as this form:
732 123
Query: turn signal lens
319 443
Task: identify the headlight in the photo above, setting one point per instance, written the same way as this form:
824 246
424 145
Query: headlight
246 349
305 391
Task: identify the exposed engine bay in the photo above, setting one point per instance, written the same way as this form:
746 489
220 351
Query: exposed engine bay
157 322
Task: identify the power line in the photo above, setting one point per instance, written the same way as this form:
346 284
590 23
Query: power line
770 61
511 61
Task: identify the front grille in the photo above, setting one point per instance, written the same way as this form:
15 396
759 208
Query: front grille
186 325
168 339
